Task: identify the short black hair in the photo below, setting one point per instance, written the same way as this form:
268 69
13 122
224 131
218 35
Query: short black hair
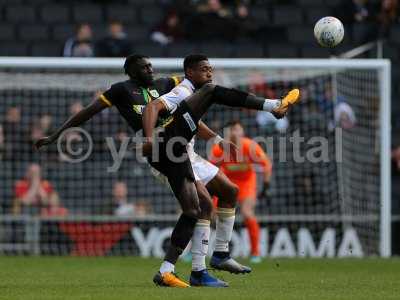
192 60
131 60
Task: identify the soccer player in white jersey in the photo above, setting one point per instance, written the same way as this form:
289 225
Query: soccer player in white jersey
198 72
187 107
216 183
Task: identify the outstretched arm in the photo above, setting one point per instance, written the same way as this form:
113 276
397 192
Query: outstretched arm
206 133
79 118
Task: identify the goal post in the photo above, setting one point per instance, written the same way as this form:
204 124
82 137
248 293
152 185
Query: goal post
386 188
349 192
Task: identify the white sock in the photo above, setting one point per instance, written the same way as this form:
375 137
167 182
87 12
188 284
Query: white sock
271 104
200 239
225 222
166 266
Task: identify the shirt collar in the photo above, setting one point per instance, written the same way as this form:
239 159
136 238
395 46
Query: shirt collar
188 83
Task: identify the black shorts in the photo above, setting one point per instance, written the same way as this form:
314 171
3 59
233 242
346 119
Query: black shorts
173 160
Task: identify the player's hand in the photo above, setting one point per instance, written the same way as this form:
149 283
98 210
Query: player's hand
229 147
44 141
265 190
147 148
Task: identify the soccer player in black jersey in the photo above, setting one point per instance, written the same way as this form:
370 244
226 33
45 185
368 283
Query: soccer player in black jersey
184 125
130 97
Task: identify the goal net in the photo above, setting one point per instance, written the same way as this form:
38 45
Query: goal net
329 193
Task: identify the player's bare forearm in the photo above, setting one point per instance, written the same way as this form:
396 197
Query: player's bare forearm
81 117
76 120
150 116
204 132
267 175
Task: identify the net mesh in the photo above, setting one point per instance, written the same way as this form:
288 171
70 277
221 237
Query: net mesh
325 157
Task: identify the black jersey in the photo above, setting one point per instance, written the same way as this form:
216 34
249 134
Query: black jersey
131 99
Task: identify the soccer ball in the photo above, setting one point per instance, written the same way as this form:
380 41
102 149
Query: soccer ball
329 32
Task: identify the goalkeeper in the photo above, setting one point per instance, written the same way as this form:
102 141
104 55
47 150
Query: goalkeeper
241 172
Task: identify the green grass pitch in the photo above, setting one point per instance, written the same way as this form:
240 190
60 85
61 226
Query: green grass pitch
130 278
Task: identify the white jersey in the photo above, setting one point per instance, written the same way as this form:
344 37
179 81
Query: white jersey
172 99
203 170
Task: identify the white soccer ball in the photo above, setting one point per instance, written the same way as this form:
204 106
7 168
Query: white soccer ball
329 32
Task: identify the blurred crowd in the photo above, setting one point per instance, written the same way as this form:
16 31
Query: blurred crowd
32 193
228 21
184 20
115 44
367 19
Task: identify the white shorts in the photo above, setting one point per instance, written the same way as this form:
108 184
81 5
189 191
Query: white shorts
203 170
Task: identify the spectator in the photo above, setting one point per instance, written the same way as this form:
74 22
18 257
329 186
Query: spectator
53 208
387 16
213 7
258 86
33 194
116 44
353 11
142 208
169 30
396 158
81 45
361 12
41 127
212 22
344 116
14 135
71 136
75 108
269 123
245 27
120 200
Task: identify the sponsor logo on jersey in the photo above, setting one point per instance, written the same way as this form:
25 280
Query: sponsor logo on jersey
190 121
138 109
154 93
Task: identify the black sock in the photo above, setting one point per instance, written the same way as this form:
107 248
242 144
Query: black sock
229 97
180 237
221 254
236 98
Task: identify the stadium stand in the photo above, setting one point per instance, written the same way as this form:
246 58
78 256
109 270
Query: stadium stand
41 27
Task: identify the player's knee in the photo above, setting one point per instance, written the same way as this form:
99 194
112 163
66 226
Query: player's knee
246 214
206 206
193 211
232 192
234 189
246 211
